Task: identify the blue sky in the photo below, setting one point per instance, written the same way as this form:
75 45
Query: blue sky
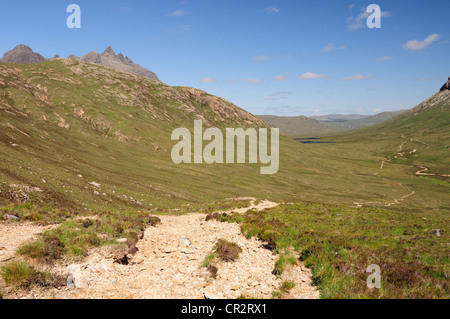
268 57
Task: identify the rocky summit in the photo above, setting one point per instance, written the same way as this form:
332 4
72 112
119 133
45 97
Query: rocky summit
22 54
119 62
446 86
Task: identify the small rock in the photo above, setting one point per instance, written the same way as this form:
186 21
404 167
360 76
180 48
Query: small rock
184 241
437 232
74 277
11 217
121 240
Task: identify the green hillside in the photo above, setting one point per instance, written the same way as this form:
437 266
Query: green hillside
422 135
83 136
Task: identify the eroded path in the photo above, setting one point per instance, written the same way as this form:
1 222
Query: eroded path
167 266
424 169
12 236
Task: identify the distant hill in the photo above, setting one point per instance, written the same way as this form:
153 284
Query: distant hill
338 117
324 124
22 54
350 122
295 126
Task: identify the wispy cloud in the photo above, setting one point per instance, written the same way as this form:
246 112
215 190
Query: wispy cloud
272 10
177 14
350 7
359 21
282 95
208 80
262 58
356 77
252 80
424 80
384 58
415 45
280 78
312 76
331 47
248 80
285 56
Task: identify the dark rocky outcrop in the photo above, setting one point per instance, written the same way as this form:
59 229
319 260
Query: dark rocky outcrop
446 85
22 54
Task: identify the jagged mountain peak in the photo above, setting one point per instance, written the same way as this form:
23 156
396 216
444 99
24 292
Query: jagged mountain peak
109 51
22 54
110 59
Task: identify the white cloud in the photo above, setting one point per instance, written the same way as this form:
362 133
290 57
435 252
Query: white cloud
359 22
377 110
262 58
311 76
208 80
271 10
280 78
415 45
331 47
176 14
350 7
356 77
252 81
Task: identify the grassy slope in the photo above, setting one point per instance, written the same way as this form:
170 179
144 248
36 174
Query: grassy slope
347 172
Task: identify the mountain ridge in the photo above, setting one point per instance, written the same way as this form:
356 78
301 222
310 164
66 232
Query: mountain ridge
109 58
23 54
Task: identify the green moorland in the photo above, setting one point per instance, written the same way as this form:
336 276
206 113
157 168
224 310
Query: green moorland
339 243
78 139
